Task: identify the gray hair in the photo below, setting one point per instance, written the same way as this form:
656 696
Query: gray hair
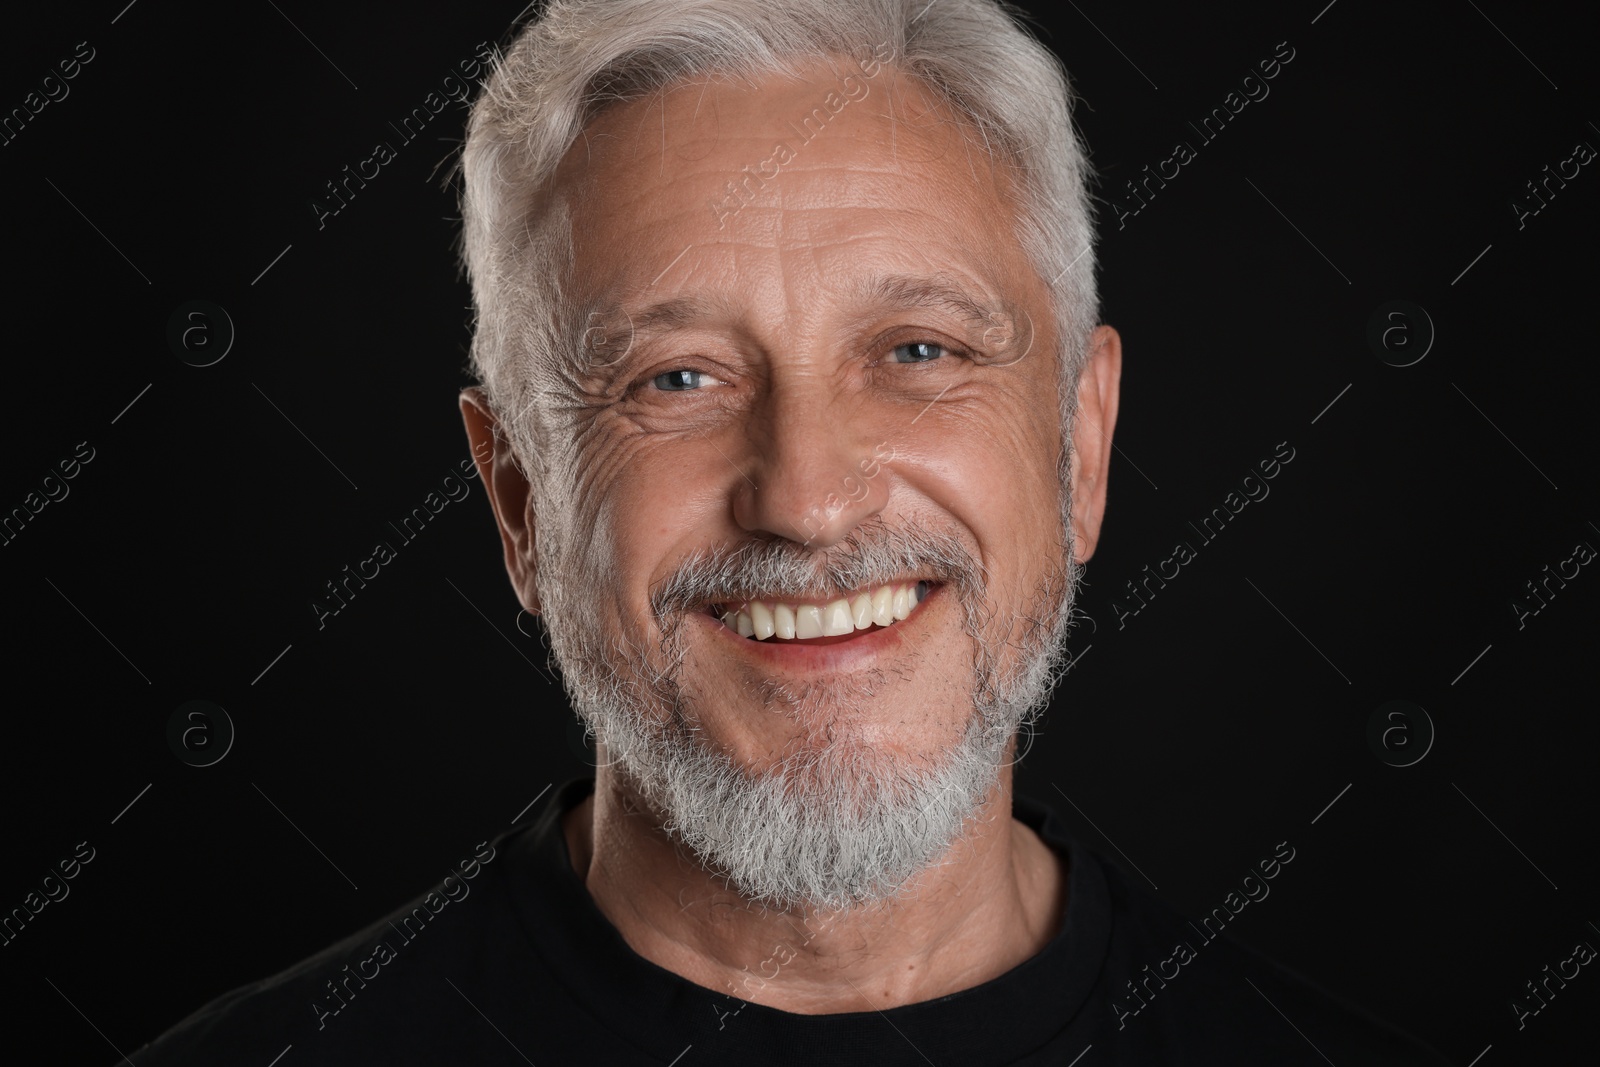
579 57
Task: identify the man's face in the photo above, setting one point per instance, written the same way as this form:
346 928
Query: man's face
837 375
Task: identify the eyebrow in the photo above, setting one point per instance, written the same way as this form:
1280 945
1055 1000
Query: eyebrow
936 293
679 313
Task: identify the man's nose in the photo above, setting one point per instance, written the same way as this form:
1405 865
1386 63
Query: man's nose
815 471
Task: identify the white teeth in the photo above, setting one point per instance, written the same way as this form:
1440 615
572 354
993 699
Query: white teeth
836 619
783 621
763 620
808 621
883 606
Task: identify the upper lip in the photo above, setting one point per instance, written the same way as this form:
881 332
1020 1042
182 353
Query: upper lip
712 606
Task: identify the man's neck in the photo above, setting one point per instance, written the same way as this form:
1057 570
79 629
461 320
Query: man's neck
995 900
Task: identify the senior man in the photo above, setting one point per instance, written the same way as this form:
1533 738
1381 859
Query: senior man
795 417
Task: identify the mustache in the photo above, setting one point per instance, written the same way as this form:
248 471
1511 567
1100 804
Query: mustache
871 554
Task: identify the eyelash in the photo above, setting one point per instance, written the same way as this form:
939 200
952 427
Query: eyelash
944 351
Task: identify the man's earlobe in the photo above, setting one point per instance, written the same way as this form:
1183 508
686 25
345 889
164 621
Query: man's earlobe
509 492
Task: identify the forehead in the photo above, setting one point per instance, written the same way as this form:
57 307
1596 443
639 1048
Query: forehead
789 187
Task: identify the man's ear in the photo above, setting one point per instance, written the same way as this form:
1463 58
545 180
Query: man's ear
509 494
1098 389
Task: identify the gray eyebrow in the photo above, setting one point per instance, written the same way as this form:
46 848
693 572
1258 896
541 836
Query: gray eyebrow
613 327
678 313
907 290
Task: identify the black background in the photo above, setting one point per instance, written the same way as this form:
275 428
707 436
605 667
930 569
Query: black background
1185 744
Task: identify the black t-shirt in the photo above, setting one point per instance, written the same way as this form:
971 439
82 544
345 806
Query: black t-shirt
513 964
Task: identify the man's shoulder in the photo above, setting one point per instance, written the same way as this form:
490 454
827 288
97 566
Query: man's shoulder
367 990
250 1019
1170 980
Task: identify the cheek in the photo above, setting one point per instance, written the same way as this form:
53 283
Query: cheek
993 473
993 469
644 504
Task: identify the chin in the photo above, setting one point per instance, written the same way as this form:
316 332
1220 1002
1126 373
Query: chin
844 823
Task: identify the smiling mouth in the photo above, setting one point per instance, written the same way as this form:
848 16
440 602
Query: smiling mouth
822 622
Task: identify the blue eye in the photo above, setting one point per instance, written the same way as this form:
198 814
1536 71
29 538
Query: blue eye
918 352
677 381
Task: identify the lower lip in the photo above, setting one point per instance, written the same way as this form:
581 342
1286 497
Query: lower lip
838 654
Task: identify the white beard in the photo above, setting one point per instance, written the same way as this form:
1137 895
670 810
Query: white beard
842 823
